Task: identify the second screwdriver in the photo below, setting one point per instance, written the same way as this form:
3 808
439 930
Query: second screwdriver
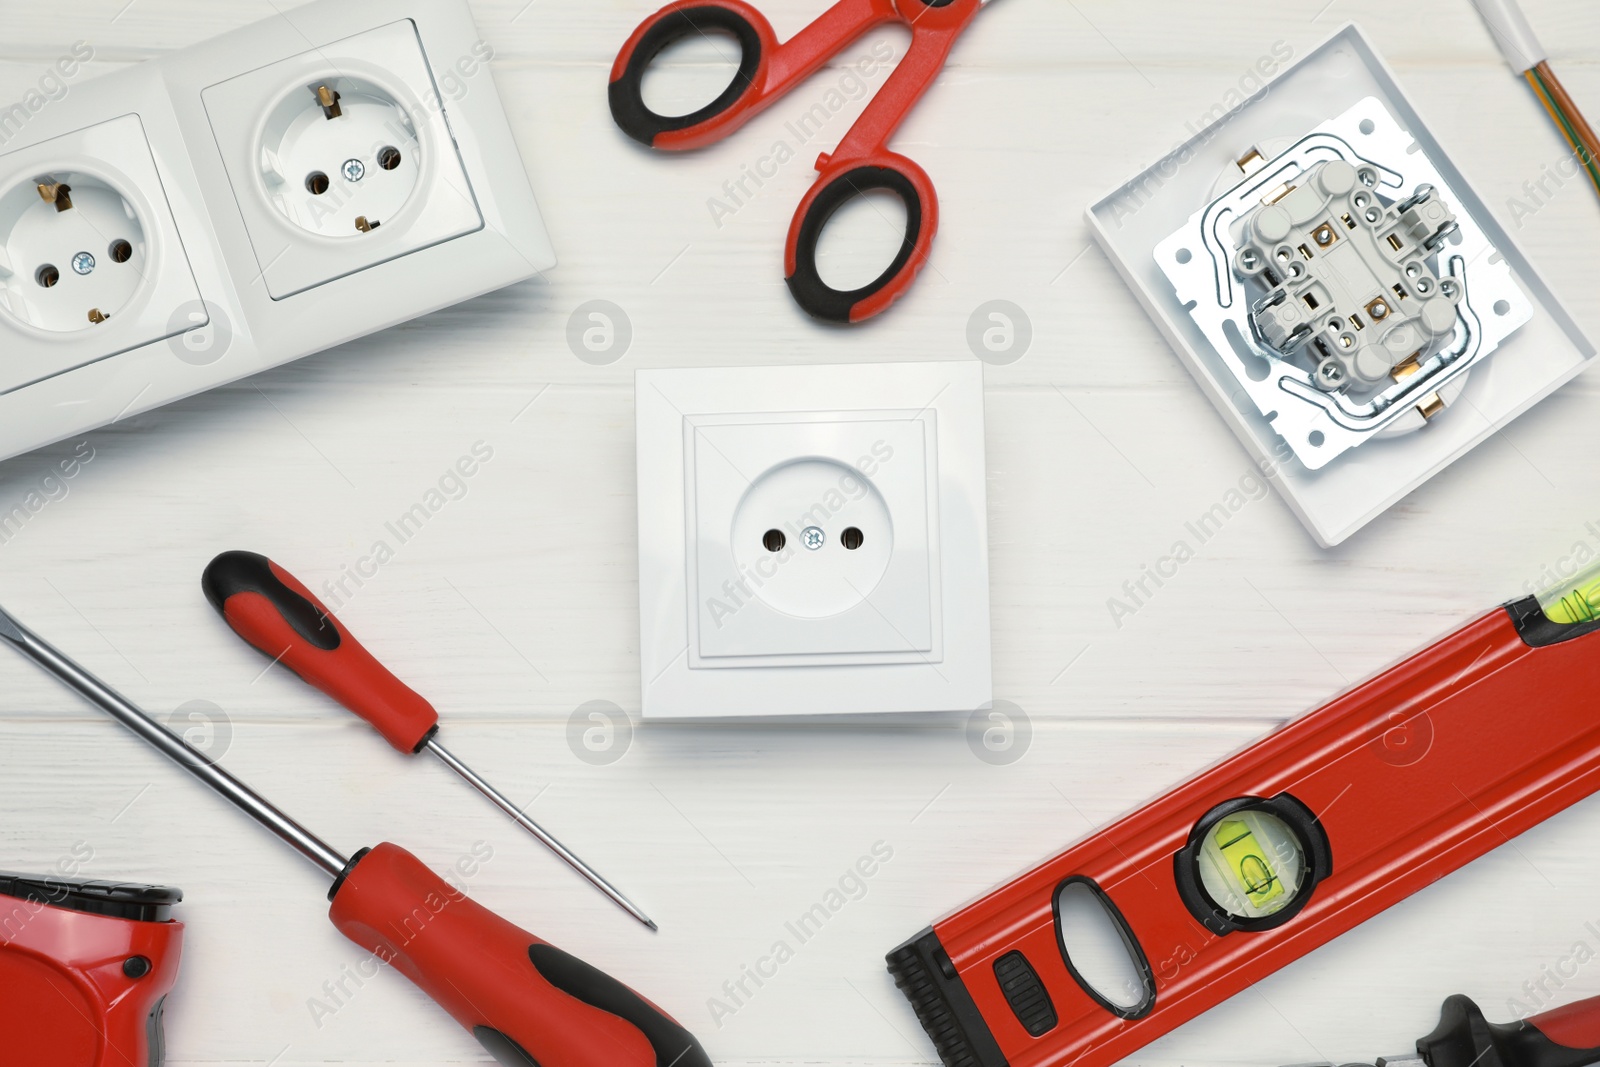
273 611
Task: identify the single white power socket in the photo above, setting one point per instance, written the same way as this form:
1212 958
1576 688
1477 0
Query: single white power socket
812 540
334 170
811 537
91 262
346 166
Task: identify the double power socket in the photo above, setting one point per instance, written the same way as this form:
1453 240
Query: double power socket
327 173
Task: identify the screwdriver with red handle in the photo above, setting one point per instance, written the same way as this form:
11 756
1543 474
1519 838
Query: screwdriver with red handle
1568 1036
278 616
527 1002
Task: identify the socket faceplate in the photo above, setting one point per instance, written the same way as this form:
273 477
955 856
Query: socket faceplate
365 214
813 540
48 327
812 477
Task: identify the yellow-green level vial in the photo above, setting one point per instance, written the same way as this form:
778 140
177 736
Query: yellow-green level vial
1575 601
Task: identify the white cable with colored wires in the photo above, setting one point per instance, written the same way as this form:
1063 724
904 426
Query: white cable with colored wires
1518 43
1512 32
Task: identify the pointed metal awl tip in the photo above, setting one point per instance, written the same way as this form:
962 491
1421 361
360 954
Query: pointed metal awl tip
500 801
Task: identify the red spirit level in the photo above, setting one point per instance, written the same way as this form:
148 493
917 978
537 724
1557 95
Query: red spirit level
85 968
1280 849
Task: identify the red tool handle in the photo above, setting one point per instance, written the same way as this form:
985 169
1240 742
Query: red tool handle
525 1001
1568 1036
275 613
1572 1026
861 163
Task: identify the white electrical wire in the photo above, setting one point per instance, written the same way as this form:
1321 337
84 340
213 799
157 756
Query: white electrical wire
1512 33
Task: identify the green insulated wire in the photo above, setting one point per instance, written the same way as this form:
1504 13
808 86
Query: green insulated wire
1590 164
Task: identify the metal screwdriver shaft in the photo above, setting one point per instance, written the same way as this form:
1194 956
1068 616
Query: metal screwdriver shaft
280 618
471 962
201 766
538 831
196 763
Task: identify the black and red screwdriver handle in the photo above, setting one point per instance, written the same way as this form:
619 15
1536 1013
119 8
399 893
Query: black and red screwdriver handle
768 70
1568 1036
526 1001
279 616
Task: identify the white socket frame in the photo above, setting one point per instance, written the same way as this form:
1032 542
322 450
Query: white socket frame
917 642
235 328
290 259
116 152
1133 221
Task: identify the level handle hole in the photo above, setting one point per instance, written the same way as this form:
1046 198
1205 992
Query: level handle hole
1100 951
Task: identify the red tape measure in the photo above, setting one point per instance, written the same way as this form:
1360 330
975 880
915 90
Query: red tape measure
1275 851
85 968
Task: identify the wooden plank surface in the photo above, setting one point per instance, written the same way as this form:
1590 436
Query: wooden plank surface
516 605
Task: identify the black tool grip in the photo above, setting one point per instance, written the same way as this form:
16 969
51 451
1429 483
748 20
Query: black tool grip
525 1001
672 1043
924 973
1568 1036
694 18
835 188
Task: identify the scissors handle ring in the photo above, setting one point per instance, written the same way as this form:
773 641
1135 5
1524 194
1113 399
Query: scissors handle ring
689 18
837 185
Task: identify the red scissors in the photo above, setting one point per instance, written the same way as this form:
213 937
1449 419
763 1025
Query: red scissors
768 70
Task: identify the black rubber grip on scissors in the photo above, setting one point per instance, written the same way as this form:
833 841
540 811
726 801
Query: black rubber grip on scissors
816 296
628 108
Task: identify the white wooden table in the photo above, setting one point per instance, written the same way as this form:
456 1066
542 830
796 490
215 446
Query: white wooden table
516 604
